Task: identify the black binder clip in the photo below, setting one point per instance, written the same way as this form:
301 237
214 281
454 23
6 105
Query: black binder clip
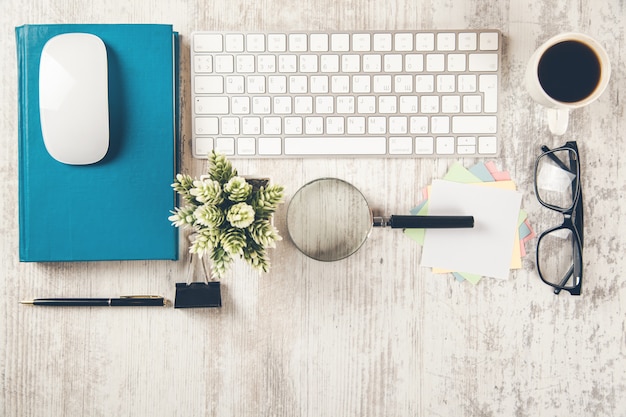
197 294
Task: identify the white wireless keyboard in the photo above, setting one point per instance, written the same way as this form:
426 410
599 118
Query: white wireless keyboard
360 94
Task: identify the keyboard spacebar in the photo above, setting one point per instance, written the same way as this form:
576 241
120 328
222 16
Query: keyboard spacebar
341 145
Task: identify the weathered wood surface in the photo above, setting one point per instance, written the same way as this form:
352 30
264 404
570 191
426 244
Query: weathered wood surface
372 335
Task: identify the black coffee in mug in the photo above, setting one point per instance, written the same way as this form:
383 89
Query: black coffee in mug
569 71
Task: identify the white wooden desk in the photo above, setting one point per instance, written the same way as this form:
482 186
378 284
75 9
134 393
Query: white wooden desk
373 335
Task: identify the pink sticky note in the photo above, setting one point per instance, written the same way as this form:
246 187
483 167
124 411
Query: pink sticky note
497 174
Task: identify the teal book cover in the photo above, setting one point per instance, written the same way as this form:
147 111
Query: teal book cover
117 208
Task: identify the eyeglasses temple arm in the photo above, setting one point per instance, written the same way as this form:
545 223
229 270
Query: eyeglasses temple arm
564 280
556 160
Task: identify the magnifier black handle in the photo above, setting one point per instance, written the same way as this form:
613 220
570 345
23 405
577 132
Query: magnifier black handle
431 222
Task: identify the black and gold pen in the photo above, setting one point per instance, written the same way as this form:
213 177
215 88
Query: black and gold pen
123 301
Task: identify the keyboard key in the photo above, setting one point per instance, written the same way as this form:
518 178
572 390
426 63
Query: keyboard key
414 63
472 104
345 105
474 124
468 41
419 125
255 42
211 105
298 42
403 84
403 42
372 63
408 104
293 125
225 146
319 84
387 104
251 126
382 42
203 63
245 64
329 63
272 126
277 84
335 126
400 145
325 104
246 146
298 84
234 42
425 42
340 84
203 146
270 146
424 145
440 124
483 62
351 63
276 42
340 42
488 85
261 105
361 84
361 42
210 42
230 125
446 41
256 84
393 63
467 83
382 83
224 64
435 62
319 42
287 63
266 63
489 41
398 125
457 62
207 125
356 125
308 63
466 145
376 125
343 145
314 125
487 145
444 145
209 84
235 84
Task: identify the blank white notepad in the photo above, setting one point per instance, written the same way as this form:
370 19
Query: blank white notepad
485 249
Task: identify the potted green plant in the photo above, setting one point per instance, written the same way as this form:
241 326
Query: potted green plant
230 216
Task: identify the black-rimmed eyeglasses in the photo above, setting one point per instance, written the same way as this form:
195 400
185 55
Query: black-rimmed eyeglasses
558 187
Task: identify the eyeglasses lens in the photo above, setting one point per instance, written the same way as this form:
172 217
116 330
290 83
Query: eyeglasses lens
557 254
556 175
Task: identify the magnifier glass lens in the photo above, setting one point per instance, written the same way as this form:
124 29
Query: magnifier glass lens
328 219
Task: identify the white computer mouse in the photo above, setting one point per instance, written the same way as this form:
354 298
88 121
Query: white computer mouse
74 98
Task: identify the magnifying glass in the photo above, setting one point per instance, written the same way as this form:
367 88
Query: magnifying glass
329 219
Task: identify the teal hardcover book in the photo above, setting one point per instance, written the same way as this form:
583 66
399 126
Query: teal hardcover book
117 208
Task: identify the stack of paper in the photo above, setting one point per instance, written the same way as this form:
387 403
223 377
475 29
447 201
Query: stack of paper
495 245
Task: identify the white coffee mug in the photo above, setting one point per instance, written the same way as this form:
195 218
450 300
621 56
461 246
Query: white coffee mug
568 71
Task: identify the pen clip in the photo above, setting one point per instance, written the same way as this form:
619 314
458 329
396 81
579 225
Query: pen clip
141 296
